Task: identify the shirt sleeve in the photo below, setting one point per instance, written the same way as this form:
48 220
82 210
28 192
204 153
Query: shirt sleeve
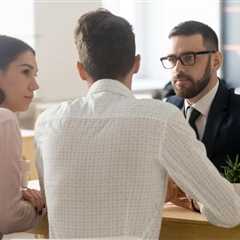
186 161
39 161
15 213
40 169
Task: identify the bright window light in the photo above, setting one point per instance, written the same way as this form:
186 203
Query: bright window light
17 19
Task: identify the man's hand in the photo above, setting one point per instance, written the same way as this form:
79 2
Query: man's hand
177 196
35 198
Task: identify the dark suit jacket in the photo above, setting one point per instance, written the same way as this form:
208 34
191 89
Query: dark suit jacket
222 132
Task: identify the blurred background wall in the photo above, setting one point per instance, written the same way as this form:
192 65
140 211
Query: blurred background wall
48 26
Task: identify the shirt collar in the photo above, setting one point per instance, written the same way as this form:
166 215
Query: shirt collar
110 85
203 104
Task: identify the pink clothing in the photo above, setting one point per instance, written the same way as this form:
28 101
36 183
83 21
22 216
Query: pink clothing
15 213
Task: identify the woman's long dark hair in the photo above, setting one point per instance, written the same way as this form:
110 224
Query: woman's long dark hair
10 49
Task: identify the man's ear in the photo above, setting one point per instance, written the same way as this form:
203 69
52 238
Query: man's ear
136 64
217 60
82 72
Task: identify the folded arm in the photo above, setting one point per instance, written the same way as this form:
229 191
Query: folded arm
16 214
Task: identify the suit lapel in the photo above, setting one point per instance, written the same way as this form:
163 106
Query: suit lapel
217 113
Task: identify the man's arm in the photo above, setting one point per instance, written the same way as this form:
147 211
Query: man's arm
39 161
185 159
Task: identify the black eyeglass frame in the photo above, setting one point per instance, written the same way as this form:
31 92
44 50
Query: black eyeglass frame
184 54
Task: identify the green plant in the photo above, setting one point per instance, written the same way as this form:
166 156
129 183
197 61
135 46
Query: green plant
232 169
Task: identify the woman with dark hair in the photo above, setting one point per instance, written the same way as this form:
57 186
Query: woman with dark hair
19 209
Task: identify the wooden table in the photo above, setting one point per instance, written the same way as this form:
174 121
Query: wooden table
182 224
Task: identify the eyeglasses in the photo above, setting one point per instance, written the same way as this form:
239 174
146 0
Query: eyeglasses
186 59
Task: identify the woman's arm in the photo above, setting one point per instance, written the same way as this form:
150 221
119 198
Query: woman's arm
16 214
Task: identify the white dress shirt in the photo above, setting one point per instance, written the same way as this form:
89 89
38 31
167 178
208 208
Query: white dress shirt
203 106
105 158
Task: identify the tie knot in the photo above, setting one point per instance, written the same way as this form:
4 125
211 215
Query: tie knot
191 115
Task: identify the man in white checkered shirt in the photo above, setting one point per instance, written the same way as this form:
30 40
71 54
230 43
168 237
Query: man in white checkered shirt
104 159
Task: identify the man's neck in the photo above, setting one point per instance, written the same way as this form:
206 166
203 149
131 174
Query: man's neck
127 81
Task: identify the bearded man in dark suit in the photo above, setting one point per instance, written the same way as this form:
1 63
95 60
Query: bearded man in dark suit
193 60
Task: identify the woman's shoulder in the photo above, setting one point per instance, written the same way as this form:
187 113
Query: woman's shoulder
7 115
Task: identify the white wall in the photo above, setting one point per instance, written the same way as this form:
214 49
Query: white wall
17 23
152 20
56 53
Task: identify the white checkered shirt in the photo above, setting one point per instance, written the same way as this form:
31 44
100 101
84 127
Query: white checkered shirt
105 158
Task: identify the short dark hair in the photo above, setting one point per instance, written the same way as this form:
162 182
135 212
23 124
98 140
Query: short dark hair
106 44
189 28
10 49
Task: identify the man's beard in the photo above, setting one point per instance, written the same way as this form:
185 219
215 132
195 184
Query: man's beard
196 86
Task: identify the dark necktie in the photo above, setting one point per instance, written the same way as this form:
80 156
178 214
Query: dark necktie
191 115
